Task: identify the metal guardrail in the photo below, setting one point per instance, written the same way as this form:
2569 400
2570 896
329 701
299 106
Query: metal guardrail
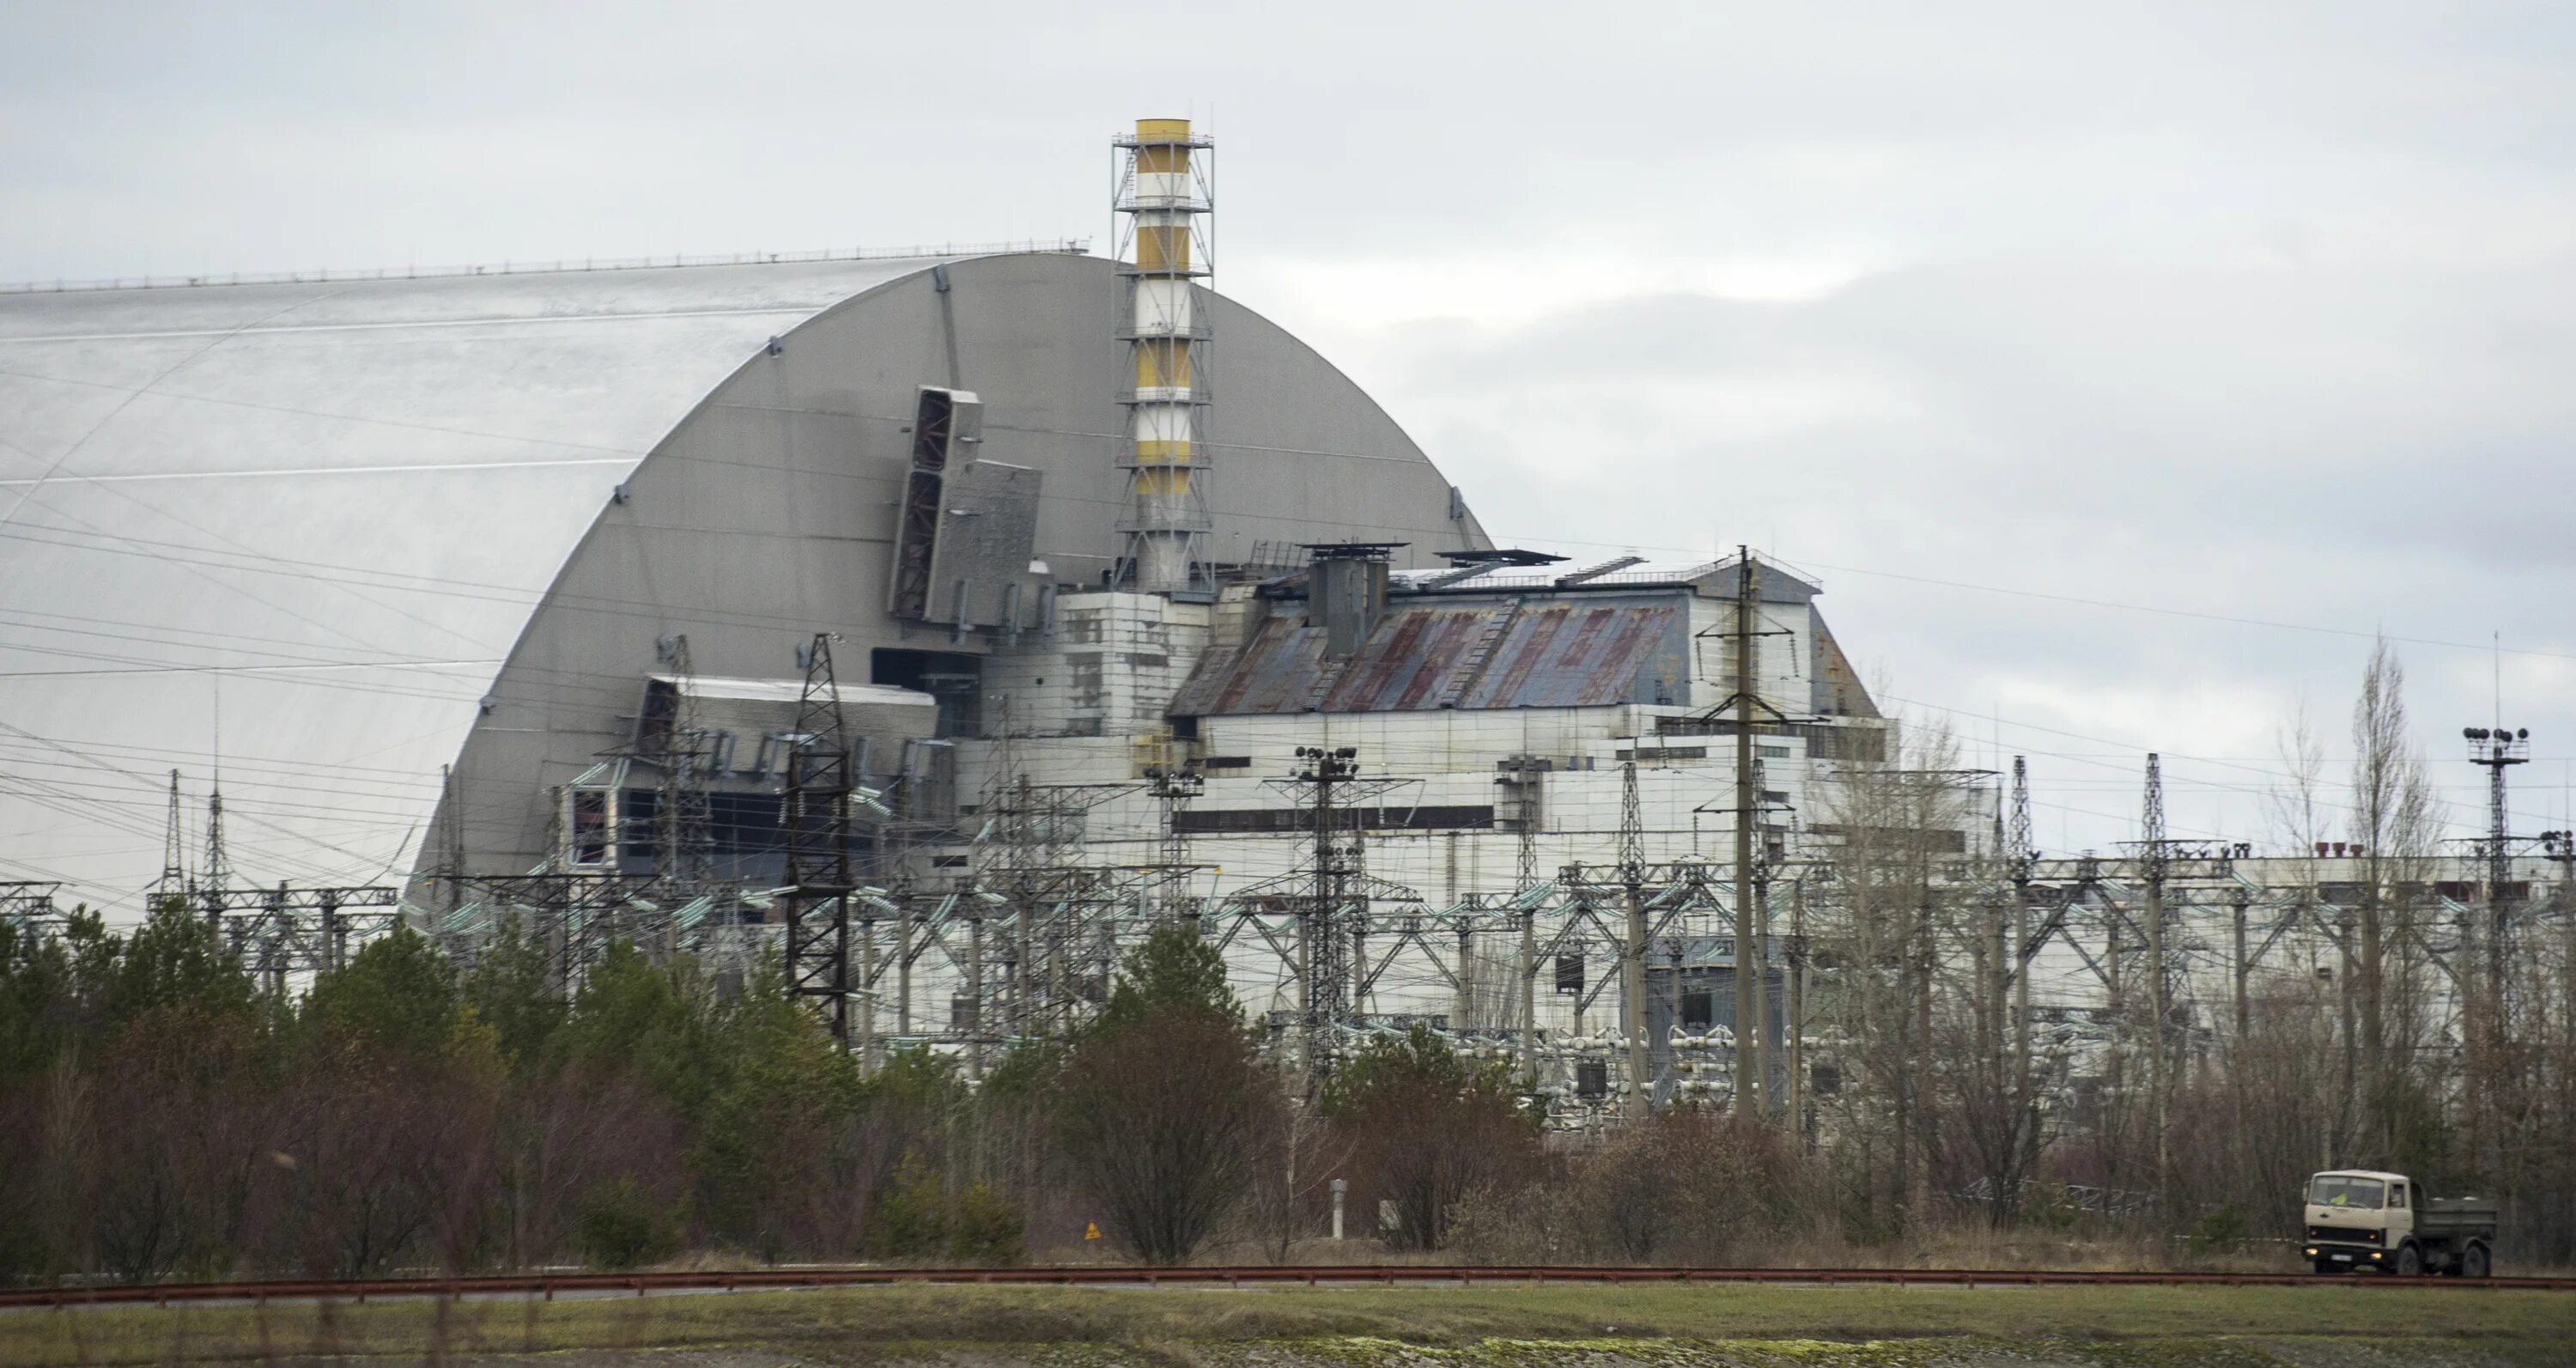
548 1286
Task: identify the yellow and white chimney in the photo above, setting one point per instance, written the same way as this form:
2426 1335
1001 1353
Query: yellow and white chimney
1164 198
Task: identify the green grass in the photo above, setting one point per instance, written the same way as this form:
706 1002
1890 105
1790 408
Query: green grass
1475 1325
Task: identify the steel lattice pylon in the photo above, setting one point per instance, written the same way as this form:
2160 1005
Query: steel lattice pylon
819 830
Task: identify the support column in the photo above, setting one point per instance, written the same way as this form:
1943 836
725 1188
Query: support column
1632 1006
1529 1000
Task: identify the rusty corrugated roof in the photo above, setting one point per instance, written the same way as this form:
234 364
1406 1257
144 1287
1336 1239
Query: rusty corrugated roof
1503 655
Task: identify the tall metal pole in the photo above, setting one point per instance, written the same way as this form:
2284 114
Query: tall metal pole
1529 998
2156 851
2024 856
1632 959
173 883
1795 1028
1751 1073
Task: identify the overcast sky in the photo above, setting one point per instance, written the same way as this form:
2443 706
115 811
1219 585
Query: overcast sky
2253 326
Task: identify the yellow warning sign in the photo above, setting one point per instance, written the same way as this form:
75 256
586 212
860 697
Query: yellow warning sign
1091 1230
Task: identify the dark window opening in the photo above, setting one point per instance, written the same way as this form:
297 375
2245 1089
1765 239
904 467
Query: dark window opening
1699 1011
957 681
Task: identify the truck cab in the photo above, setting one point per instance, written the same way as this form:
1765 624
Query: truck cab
2367 1218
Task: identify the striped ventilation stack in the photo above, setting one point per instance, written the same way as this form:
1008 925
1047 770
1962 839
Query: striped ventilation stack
1164 195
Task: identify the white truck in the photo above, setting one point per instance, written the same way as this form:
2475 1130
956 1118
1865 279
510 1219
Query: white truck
2362 1218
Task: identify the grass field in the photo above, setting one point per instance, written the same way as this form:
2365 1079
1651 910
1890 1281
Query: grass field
1359 1326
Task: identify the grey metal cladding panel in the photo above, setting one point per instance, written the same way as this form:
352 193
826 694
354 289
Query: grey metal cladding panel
1410 658
338 503
988 518
1573 655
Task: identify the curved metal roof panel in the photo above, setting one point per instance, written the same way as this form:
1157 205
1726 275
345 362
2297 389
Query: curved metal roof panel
317 514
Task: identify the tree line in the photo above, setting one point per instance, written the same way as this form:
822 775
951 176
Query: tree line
162 1119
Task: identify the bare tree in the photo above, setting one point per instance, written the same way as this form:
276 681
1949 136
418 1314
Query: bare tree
1302 1157
1162 1122
2394 823
1897 825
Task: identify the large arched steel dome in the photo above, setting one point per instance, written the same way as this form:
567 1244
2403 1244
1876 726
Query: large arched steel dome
342 534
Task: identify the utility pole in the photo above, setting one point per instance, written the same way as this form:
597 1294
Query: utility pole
1528 918
1796 1026
1523 778
1632 966
2155 856
1752 1077
2022 851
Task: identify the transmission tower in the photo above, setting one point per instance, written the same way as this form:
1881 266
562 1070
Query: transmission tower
28 904
815 812
2155 856
2021 855
173 883
215 872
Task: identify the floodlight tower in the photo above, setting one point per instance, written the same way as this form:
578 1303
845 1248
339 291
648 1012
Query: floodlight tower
2497 749
1164 196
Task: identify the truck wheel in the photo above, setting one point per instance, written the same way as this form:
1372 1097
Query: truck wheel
2474 1262
2410 1261
2324 1268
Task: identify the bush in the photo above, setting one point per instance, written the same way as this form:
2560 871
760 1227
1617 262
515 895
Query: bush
622 1226
911 1220
988 1228
1424 1128
2223 1227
